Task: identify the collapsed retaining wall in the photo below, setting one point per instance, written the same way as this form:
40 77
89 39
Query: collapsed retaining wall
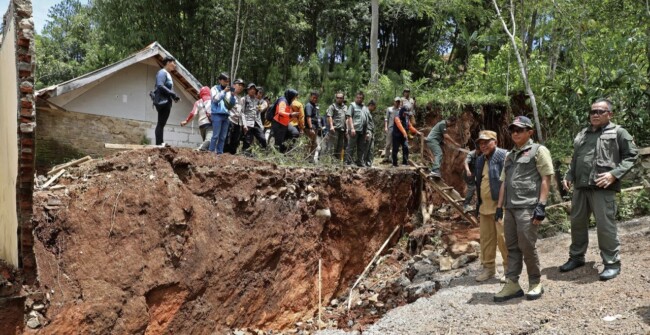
174 241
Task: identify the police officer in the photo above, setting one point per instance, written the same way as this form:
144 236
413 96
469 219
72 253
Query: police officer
602 154
357 117
336 123
526 180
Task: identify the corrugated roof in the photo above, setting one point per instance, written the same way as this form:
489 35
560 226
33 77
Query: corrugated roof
154 50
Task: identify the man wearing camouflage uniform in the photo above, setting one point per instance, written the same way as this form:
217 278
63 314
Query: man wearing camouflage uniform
602 154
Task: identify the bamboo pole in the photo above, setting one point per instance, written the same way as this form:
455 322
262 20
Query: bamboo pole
370 264
66 165
320 291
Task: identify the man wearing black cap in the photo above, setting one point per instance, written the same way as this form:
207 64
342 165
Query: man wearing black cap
253 127
602 154
526 180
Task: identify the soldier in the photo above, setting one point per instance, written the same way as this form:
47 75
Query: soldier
357 122
526 180
435 140
487 171
470 165
336 122
389 121
602 154
370 136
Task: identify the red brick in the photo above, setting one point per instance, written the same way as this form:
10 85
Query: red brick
25 204
23 42
26 90
26 112
22 74
26 104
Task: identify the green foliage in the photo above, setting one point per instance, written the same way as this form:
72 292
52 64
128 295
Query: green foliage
633 204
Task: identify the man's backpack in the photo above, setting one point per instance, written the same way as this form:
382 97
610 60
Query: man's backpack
270 112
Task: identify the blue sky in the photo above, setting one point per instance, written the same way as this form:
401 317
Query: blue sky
40 8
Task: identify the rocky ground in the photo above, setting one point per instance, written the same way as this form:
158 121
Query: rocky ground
573 303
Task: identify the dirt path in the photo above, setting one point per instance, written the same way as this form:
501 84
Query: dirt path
573 303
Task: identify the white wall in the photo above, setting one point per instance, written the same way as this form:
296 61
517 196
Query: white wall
125 94
8 148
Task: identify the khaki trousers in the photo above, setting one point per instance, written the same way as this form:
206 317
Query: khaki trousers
491 237
521 240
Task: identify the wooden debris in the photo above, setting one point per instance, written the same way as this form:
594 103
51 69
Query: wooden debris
69 164
128 146
644 151
49 182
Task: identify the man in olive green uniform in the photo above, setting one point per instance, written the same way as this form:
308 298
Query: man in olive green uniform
602 154
526 180
435 141
357 117
336 123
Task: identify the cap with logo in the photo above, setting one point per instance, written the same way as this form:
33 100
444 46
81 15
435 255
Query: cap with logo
521 122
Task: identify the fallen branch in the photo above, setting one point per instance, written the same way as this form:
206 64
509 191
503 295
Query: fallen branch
56 176
129 146
110 232
67 165
370 265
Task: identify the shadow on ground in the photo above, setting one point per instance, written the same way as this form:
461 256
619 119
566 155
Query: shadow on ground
586 274
644 313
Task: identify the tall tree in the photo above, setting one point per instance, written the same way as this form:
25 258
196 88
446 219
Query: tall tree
522 66
374 41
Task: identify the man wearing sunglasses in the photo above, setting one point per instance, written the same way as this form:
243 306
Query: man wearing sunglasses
602 154
526 180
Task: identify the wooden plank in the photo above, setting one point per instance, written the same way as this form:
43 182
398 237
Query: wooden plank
128 146
644 151
56 176
69 164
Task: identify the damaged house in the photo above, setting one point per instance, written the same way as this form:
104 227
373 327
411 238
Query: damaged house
112 105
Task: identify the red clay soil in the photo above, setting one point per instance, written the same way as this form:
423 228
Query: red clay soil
171 241
12 303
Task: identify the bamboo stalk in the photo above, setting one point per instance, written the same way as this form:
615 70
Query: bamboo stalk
370 264
320 295
66 165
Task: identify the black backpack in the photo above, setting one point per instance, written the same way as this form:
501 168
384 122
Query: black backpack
270 112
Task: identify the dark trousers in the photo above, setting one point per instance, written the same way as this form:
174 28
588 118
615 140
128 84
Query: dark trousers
400 141
163 116
251 134
292 132
279 134
356 145
234 137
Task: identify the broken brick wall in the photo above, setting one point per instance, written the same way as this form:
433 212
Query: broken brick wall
17 140
64 135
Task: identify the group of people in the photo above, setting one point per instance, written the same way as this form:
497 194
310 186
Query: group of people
241 114
512 189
